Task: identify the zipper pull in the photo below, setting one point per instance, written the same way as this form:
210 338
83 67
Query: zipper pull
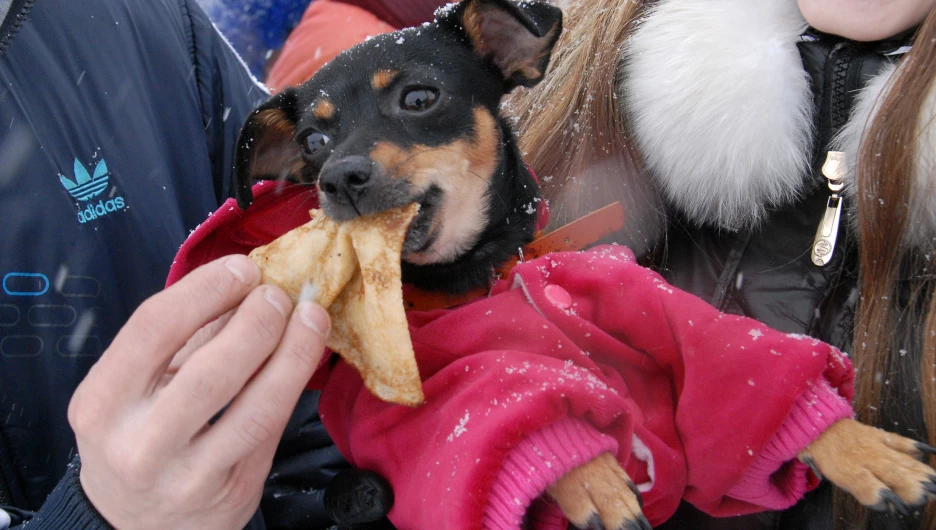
834 169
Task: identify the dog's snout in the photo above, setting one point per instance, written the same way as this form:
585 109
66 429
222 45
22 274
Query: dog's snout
347 179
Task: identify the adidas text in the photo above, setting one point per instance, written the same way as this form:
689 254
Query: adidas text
102 208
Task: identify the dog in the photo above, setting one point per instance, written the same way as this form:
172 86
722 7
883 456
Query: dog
414 116
423 126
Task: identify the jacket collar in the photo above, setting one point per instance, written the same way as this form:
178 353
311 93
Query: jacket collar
12 16
722 110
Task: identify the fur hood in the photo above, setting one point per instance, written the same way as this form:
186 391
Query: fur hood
722 111
921 224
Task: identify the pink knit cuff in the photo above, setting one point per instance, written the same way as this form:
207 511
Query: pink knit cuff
535 463
776 480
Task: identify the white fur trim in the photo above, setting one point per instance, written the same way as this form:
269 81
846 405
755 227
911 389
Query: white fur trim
921 224
721 105
921 230
642 452
849 138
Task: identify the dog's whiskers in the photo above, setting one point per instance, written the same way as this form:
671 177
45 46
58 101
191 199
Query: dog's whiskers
304 204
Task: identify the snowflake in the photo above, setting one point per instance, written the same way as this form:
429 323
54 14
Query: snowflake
460 429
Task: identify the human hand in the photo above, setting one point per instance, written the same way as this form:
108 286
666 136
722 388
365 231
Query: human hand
150 459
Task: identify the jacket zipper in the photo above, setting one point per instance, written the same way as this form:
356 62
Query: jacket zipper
17 21
835 167
834 170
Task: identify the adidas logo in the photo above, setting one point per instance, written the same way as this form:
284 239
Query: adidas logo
87 186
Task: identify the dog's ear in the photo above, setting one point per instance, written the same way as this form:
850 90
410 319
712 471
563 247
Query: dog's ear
266 149
518 37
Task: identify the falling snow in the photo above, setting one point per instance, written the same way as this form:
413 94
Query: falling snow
82 328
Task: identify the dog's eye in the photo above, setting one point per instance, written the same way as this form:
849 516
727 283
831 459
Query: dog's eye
314 142
419 99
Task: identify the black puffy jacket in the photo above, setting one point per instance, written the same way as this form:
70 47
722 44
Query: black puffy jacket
767 273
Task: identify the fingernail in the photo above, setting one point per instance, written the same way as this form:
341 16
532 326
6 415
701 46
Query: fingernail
594 523
241 267
926 449
812 465
636 492
314 317
275 299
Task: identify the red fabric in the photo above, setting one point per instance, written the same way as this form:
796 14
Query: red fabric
401 13
327 28
538 461
631 358
278 207
774 480
770 483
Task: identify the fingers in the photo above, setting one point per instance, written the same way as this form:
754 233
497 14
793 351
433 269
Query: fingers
165 322
256 419
199 339
218 371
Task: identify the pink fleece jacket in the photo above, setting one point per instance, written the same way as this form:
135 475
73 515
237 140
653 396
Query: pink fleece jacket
574 354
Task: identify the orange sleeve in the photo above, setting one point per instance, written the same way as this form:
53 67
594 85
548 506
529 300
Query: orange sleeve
327 28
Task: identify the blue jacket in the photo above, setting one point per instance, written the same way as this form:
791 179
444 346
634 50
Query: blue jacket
117 125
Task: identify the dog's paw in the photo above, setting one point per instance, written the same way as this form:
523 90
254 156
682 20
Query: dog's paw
599 495
879 468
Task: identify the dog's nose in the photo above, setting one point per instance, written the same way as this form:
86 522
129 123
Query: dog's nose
347 179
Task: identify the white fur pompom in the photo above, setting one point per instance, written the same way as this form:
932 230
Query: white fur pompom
721 105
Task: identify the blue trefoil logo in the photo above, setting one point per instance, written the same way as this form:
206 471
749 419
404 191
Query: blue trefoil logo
88 186
85 187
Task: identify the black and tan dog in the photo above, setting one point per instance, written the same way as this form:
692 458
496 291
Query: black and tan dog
413 116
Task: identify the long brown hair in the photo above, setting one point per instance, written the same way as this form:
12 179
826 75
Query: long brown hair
572 130
896 320
572 122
